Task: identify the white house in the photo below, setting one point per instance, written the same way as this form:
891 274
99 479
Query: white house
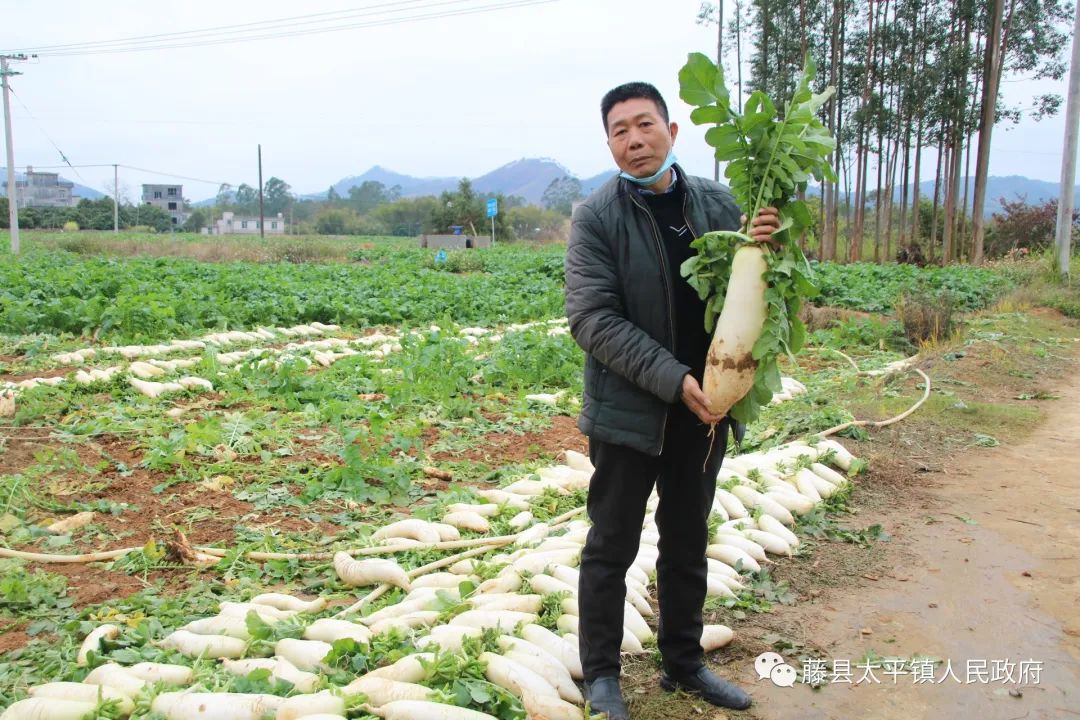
232 224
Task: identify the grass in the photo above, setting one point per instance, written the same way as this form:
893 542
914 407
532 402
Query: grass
205 248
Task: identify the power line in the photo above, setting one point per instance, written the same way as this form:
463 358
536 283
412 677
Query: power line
137 169
180 44
47 136
180 33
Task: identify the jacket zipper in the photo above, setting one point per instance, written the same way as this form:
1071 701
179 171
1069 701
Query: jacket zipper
667 290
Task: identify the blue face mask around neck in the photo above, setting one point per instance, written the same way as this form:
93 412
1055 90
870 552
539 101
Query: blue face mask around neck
655 177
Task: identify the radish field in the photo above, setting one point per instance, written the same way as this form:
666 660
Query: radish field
390 442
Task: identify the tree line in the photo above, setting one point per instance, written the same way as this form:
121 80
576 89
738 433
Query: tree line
371 208
915 79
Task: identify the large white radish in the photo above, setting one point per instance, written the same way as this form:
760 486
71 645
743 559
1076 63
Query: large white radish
300 706
328 630
732 505
561 650
504 620
81 692
746 544
409 669
730 366
514 676
414 528
288 602
553 673
93 641
828 474
380 690
730 555
235 627
214 706
714 637
425 710
770 524
371 571
212 646
48 708
175 675
304 654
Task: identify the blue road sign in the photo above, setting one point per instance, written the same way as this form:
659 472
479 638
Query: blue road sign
492 207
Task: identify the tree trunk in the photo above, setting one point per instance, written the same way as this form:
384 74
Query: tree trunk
831 209
916 215
991 73
937 197
861 151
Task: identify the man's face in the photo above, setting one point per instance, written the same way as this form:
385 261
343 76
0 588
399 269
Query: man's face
638 137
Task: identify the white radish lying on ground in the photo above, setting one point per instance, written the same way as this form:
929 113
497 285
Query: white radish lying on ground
371 571
288 602
714 637
174 675
411 528
48 708
212 646
215 706
93 641
305 654
81 692
328 630
424 710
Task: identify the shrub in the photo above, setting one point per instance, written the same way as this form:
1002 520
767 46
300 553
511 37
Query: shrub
926 315
71 226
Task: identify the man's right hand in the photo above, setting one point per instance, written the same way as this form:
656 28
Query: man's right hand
694 399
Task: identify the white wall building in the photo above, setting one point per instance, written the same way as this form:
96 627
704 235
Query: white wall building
232 224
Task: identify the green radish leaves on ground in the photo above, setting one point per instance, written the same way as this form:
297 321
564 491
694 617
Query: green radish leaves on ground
771 157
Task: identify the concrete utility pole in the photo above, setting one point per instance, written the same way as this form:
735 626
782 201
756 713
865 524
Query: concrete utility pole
1068 160
116 200
13 209
262 220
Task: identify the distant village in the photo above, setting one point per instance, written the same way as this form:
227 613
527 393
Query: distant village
46 190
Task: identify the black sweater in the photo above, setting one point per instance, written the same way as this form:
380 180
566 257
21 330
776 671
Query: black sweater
691 340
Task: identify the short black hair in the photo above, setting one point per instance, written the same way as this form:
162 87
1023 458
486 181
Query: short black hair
630 91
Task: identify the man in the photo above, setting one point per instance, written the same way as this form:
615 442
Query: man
642 328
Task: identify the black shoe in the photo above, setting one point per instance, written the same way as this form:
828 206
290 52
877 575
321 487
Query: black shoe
605 696
710 687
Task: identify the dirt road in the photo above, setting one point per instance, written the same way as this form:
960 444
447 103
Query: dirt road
986 578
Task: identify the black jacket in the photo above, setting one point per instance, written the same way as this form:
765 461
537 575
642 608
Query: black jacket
621 308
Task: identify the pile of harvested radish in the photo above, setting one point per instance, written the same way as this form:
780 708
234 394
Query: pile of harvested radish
493 635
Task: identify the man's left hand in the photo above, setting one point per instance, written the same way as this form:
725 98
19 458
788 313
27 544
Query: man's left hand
765 224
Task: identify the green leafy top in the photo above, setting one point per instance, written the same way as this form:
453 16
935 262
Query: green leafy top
770 159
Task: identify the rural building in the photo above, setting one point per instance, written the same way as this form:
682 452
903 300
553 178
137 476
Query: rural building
43 189
231 224
169 198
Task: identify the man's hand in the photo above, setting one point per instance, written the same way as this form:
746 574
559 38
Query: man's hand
694 399
765 224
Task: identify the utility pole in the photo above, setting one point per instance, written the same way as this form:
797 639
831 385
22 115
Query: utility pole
116 200
1068 160
262 230
12 194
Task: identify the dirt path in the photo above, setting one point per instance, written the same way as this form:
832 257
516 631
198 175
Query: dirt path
987 570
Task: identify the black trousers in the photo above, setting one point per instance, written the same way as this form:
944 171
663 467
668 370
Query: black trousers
618 492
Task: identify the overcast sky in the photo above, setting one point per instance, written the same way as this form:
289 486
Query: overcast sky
452 96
